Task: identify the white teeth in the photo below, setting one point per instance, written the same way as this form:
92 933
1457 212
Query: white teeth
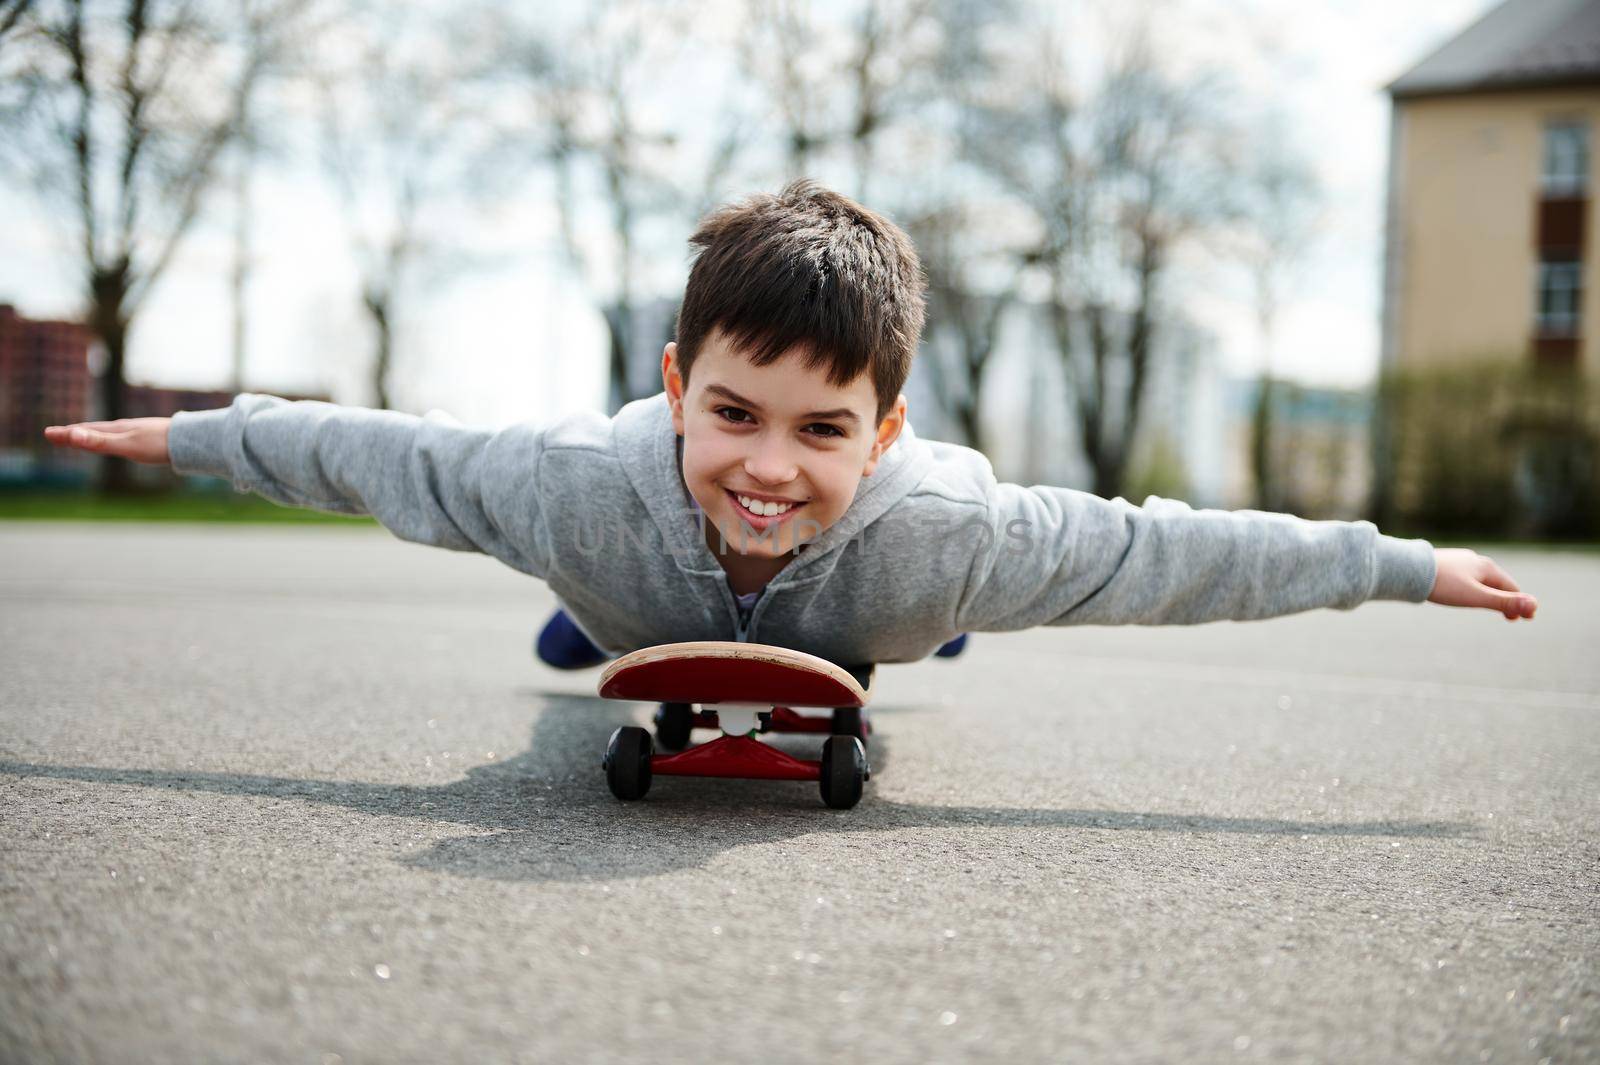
767 510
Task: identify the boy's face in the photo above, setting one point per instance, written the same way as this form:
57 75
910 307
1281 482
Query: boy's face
780 433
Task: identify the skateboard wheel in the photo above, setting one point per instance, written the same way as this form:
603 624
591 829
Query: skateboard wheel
627 762
844 771
850 721
674 722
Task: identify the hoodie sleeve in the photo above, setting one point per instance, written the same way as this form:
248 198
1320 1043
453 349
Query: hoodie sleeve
428 480
1063 557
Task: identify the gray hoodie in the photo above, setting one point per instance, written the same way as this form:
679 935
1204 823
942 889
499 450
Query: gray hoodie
932 545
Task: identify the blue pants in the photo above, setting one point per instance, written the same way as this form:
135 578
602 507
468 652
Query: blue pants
564 646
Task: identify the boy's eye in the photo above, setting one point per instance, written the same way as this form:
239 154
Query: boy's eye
740 416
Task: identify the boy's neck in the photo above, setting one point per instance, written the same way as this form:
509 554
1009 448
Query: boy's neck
745 574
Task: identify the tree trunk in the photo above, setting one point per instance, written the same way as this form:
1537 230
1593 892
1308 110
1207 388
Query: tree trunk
107 320
378 306
1261 447
971 427
979 338
619 324
1100 452
1141 335
1108 474
240 281
1262 429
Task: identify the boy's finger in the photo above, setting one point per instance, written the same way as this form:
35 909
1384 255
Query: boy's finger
87 425
70 433
92 439
1512 605
1499 578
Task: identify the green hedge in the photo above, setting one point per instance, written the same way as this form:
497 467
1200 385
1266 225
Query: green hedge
82 504
1490 449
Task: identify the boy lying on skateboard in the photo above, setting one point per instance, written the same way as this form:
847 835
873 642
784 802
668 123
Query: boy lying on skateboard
774 490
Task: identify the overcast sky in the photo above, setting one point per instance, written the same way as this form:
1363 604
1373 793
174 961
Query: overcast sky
515 338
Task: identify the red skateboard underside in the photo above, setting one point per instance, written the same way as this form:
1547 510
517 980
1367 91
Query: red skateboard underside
708 680
743 757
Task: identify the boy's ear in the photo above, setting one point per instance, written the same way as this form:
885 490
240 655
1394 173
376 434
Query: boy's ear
888 433
672 381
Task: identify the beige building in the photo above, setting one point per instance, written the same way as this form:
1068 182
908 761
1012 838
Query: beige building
1490 246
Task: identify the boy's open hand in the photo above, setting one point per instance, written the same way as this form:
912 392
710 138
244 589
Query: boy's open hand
1466 578
139 439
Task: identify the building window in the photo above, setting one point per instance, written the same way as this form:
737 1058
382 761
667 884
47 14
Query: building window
1560 295
1566 159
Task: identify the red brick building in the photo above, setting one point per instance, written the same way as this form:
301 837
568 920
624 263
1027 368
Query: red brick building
44 376
45 380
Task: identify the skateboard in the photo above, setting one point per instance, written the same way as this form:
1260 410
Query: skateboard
709 673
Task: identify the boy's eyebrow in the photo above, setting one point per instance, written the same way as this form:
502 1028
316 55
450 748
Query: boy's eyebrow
841 414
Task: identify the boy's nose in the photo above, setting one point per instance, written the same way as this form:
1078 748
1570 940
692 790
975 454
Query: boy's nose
771 465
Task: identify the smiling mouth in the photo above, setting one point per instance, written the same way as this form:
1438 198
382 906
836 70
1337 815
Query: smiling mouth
760 520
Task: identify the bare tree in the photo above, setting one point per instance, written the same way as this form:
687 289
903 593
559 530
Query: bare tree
837 84
843 82
783 39
119 118
261 115
589 85
1116 173
962 313
11 12
1279 211
400 129
974 274
243 256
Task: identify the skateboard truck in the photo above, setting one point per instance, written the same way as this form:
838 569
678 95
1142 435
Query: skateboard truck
679 676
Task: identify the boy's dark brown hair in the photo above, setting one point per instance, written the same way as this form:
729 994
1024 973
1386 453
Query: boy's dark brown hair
812 268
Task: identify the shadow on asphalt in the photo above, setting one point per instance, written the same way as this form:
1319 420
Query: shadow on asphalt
558 821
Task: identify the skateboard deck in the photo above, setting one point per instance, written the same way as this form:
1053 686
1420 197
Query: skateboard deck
724 671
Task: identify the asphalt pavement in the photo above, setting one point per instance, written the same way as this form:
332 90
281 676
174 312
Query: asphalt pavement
304 795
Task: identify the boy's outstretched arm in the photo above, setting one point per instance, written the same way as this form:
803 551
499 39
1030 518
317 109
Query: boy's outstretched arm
425 479
1063 557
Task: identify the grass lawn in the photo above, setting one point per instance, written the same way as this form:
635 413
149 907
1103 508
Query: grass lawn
43 504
